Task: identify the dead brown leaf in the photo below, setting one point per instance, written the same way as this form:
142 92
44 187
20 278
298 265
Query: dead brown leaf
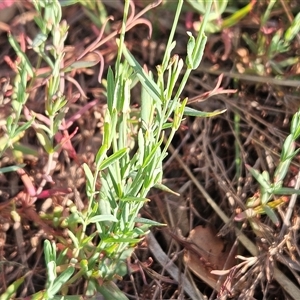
208 252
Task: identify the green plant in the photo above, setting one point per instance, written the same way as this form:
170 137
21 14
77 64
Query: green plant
215 21
271 195
95 10
264 202
128 163
269 46
127 174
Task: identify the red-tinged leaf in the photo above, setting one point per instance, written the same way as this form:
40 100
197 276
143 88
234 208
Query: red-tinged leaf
247 214
65 142
27 182
53 192
69 122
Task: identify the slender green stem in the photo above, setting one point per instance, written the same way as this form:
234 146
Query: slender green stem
172 33
122 38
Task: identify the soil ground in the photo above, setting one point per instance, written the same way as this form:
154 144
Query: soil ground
207 154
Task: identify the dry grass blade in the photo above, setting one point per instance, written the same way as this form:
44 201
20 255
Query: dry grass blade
251 78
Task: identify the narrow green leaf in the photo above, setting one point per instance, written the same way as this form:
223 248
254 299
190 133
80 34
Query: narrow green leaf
12 289
121 240
116 181
125 211
260 179
287 148
252 45
190 49
60 281
101 154
11 168
113 158
265 196
148 222
45 128
293 30
65 298
49 252
238 15
110 290
281 171
81 64
201 38
152 154
141 144
295 125
44 140
21 54
51 272
102 218
73 238
88 239
144 78
175 75
110 88
134 199
24 127
68 2
89 176
58 105
26 149
286 191
198 53
188 111
62 257
164 188
39 40
148 106
271 214
41 295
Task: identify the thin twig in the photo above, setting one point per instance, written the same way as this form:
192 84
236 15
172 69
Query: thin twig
172 269
290 209
252 78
